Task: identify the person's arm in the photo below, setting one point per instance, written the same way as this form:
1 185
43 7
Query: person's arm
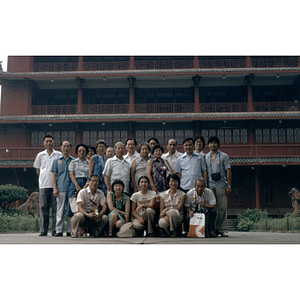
55 191
207 205
127 210
135 213
228 177
107 183
73 179
90 215
91 165
204 174
132 171
111 205
37 172
102 212
162 207
181 203
149 175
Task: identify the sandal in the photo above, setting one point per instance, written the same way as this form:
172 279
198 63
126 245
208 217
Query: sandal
73 235
110 234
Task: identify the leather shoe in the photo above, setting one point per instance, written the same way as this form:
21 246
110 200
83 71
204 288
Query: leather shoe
43 234
211 234
68 233
53 233
59 234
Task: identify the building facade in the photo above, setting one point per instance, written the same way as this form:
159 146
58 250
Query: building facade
250 103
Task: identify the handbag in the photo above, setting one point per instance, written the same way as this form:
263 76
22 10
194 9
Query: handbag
126 231
167 167
157 201
197 226
73 204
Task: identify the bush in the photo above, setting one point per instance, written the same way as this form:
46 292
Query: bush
10 193
18 223
11 212
247 220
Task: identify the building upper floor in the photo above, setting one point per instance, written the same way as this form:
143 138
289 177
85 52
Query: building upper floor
108 85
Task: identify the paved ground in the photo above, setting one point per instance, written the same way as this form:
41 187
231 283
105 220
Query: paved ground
234 238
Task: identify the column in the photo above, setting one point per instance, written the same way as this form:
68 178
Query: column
131 81
79 82
248 62
196 80
131 63
249 79
256 174
196 64
80 64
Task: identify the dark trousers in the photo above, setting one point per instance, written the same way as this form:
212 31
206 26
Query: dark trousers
47 199
210 217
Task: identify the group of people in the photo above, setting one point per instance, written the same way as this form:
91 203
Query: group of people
157 192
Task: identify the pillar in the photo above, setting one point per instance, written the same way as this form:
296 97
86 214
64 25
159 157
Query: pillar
79 81
80 64
196 80
256 174
131 81
249 79
131 63
196 64
248 62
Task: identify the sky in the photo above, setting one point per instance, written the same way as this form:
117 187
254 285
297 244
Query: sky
153 28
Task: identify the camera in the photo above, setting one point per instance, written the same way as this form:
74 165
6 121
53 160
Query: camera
216 176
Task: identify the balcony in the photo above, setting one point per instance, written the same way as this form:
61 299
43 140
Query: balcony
163 64
55 67
164 108
276 106
107 66
234 151
53 109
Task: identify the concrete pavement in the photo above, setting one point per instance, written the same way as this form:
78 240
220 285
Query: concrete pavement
235 237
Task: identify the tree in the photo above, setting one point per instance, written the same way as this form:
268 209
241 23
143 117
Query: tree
10 193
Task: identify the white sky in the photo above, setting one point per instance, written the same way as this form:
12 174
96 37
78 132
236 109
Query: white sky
155 28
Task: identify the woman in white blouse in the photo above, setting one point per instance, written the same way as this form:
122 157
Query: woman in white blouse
171 206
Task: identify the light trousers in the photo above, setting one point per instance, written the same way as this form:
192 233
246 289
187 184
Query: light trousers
80 220
61 202
221 219
175 219
148 217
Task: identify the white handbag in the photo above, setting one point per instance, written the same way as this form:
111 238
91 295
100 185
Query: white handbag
197 226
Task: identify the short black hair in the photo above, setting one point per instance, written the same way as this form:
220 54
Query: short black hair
153 138
143 144
93 148
157 146
81 145
130 139
175 177
93 175
142 177
100 142
188 139
49 136
117 181
201 138
213 139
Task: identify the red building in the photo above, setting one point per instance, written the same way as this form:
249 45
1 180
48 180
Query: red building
250 103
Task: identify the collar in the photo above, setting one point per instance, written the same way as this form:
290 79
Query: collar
61 156
194 153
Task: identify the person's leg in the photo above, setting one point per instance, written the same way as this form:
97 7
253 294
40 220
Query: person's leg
77 219
44 211
149 219
138 227
112 222
164 224
99 226
221 219
60 213
175 220
54 209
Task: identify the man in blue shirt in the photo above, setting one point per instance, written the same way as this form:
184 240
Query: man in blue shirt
190 166
61 182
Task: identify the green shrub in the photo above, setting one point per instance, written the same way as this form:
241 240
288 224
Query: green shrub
11 212
247 220
10 193
18 223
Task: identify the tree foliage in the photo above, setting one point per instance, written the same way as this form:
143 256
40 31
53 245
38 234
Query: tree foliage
10 193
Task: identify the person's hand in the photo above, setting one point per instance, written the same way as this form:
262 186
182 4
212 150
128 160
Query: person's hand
141 220
78 188
126 219
154 188
201 203
55 193
135 189
92 215
191 214
138 209
228 191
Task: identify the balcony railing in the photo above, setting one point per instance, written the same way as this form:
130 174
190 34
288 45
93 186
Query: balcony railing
55 67
233 150
164 64
53 109
105 109
112 65
276 106
223 107
274 62
164 108
221 63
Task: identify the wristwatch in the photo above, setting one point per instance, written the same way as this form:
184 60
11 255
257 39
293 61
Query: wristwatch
229 186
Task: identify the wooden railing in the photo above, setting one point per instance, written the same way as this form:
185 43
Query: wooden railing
105 109
276 106
223 107
274 62
55 67
53 109
234 151
112 65
163 64
221 63
164 108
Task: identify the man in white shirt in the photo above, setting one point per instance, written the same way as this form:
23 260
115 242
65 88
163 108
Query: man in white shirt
117 168
173 154
130 146
90 209
42 164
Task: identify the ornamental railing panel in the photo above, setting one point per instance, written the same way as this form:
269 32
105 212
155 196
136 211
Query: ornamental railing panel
55 67
223 107
221 63
276 106
53 109
164 108
105 108
106 66
274 62
164 64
